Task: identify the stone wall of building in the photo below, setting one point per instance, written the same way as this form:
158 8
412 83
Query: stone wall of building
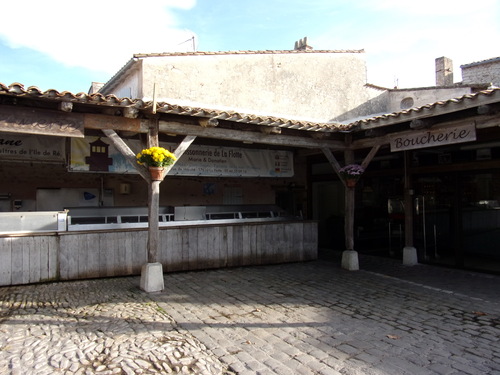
487 71
318 85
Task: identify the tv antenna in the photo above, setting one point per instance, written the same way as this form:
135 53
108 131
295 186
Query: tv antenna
190 40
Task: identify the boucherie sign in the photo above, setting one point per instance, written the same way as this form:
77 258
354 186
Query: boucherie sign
433 137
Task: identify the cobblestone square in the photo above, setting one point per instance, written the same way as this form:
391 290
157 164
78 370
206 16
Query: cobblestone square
300 318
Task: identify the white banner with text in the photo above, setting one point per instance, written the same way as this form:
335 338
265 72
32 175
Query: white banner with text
16 146
97 154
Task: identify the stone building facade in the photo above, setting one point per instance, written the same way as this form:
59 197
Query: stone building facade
300 83
486 71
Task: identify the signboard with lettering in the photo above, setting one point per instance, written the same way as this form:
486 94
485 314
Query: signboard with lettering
433 137
99 155
39 121
15 146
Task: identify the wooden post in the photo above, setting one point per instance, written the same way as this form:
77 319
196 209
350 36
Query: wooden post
349 218
408 202
153 198
349 206
349 256
154 225
409 251
152 272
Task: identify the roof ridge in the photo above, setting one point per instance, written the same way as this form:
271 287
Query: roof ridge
241 52
487 61
428 106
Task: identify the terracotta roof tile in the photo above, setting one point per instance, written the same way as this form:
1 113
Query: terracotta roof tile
209 53
17 90
426 110
451 105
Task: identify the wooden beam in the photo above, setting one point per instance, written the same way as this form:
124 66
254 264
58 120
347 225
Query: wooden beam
246 136
369 157
422 123
483 122
333 162
153 132
180 150
93 121
371 142
40 121
126 152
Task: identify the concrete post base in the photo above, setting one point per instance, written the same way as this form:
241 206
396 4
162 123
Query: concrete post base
410 256
350 260
152 277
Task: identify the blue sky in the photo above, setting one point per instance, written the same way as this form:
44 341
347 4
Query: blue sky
66 45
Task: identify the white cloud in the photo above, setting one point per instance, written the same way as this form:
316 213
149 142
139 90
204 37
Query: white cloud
97 35
402 39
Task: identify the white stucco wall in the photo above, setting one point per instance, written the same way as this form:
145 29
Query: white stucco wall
309 85
129 84
400 99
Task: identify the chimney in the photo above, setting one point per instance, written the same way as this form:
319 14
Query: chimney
302 45
444 71
95 87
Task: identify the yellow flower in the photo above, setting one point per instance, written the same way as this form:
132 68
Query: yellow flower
155 157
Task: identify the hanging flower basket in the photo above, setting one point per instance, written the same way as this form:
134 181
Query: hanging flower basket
156 159
156 173
351 174
351 182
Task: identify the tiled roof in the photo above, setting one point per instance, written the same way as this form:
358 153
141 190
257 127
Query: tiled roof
18 90
488 61
428 110
264 52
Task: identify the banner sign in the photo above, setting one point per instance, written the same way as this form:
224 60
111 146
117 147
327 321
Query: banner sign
98 154
15 146
39 121
433 137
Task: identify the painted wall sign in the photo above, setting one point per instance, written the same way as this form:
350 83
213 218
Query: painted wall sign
433 137
15 146
38 121
99 155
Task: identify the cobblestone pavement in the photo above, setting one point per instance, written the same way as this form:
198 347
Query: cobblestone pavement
103 326
302 318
